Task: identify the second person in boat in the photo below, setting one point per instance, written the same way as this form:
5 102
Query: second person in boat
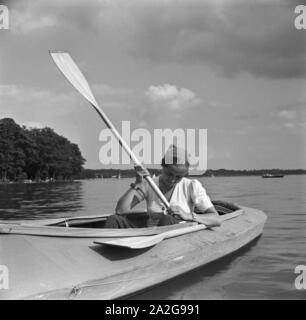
184 195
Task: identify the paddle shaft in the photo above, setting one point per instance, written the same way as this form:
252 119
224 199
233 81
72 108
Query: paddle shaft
74 75
131 154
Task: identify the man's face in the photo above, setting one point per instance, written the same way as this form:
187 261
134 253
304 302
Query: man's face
170 177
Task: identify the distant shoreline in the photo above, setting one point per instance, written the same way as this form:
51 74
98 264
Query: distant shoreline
8 182
130 173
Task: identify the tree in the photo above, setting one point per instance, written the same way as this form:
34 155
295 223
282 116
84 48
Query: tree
57 156
36 153
15 148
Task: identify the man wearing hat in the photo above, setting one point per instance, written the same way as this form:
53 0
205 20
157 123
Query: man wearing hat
183 194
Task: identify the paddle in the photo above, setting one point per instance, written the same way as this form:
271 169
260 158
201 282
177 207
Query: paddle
74 75
149 241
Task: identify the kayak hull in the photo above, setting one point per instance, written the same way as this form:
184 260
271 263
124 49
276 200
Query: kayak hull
42 267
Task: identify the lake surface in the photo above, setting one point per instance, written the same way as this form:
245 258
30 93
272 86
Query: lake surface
262 270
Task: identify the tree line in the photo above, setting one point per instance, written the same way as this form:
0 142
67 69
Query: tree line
36 154
130 173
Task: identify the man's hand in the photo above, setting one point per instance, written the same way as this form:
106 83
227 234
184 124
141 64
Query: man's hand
140 173
178 211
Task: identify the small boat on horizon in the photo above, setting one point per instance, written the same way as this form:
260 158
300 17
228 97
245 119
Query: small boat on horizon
269 175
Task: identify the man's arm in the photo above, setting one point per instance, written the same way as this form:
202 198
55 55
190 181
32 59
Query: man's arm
134 195
209 217
128 201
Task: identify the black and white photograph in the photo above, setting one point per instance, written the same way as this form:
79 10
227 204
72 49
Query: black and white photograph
154 151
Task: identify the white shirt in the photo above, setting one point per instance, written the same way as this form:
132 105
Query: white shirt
187 194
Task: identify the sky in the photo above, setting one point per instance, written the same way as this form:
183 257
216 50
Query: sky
235 68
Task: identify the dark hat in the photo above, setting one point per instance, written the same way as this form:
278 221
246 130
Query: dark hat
176 159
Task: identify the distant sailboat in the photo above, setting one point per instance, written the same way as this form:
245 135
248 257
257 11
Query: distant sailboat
119 175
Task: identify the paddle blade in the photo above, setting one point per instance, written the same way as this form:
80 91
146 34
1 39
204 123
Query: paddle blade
73 74
133 242
149 241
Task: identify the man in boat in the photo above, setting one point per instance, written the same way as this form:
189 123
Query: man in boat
184 195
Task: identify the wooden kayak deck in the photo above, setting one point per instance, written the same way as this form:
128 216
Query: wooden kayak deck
57 267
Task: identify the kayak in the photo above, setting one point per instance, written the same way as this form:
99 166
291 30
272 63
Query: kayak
76 258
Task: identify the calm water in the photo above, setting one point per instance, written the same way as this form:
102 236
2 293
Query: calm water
262 270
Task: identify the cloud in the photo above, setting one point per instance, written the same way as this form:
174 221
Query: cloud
293 106
14 97
214 154
109 91
21 99
143 124
24 22
244 130
114 97
290 116
287 114
218 104
8 90
291 111
230 37
289 125
170 96
28 17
